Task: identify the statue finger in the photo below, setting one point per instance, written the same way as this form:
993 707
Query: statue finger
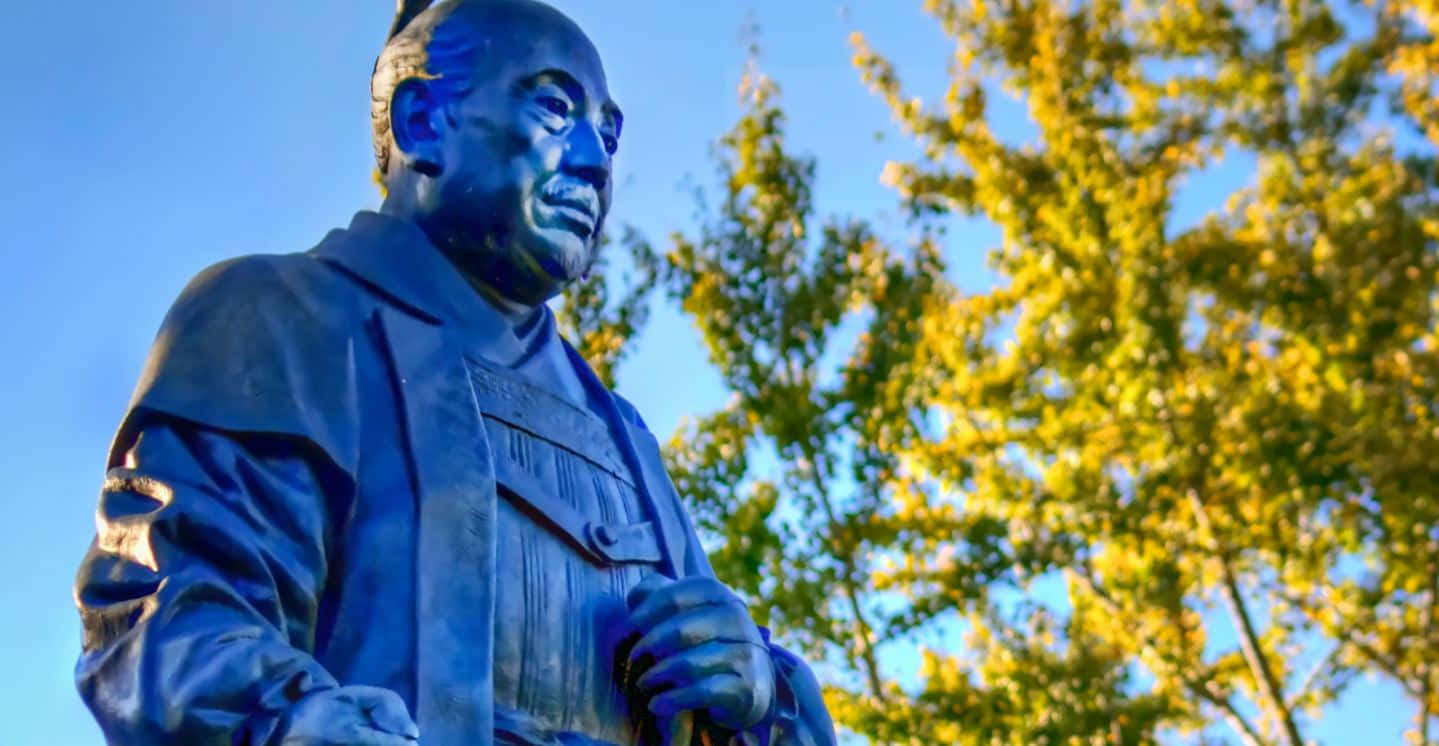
645 589
707 659
679 596
721 622
720 694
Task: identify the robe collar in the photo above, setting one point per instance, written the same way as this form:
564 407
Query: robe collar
396 258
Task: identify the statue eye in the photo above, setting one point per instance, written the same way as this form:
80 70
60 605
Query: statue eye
554 105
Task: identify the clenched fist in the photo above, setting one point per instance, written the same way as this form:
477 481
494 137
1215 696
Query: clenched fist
695 647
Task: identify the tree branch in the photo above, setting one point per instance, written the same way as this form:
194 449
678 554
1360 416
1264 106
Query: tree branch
1386 664
1249 644
1426 669
1237 723
1205 690
1254 656
863 630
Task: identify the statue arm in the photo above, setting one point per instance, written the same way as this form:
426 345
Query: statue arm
200 593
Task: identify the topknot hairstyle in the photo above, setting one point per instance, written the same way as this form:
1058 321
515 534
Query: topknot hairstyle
427 41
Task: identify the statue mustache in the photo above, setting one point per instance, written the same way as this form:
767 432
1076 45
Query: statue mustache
578 195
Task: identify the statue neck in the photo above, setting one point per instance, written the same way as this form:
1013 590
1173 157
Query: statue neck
522 317
483 268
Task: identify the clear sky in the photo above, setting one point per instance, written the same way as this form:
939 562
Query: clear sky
150 139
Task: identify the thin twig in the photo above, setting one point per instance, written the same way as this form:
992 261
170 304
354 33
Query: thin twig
1311 678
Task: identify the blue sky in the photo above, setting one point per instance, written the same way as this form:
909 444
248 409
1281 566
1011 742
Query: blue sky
148 140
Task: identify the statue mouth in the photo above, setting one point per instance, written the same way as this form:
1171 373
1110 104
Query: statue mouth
576 208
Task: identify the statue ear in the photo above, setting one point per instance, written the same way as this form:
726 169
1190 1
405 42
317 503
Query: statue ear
416 121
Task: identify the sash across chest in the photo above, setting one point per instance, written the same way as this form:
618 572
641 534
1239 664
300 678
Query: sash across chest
507 400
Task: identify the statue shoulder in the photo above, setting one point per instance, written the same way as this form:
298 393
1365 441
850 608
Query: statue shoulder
248 288
263 344
629 412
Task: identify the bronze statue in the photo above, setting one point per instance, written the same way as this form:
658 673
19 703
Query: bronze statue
367 495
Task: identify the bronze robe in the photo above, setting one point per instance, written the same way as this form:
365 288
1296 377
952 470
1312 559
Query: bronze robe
313 487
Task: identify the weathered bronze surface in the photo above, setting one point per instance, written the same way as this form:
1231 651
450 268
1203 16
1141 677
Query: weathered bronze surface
366 495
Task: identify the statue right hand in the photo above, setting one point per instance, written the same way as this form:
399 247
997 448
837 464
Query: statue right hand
350 716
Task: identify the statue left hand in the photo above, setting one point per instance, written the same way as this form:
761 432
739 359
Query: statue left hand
698 649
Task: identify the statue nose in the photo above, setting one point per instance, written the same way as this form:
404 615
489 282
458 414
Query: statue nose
585 155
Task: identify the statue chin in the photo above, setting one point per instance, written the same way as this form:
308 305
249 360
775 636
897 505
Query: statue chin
535 266
561 253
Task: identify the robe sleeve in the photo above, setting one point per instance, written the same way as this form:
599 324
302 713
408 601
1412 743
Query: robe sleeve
798 716
200 592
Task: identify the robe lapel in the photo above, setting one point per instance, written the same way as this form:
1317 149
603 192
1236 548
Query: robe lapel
683 548
454 479
642 456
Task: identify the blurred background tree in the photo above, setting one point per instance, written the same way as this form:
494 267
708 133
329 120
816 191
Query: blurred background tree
1224 436
1169 480
829 340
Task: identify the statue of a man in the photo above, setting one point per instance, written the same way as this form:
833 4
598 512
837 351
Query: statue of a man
366 495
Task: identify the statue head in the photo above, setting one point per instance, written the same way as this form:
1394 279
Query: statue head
494 131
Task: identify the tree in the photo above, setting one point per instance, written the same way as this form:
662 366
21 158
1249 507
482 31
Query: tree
799 476
1237 415
1222 437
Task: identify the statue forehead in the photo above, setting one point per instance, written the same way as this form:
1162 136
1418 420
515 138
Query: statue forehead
518 36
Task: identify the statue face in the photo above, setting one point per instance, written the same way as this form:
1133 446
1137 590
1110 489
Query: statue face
524 181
